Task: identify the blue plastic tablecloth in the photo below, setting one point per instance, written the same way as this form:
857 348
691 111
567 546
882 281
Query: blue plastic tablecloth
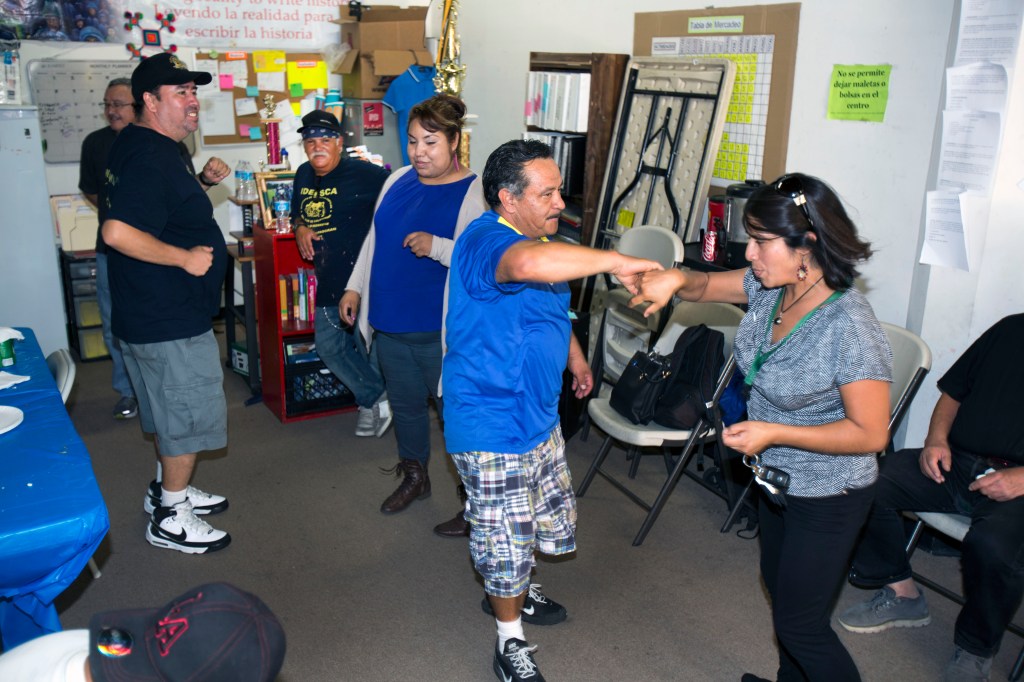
52 515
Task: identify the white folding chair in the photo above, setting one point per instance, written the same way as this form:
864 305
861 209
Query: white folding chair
625 330
723 317
63 369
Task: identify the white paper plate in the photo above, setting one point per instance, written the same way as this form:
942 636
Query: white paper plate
9 417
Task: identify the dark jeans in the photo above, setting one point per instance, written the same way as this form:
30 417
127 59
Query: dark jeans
993 550
411 364
805 551
342 349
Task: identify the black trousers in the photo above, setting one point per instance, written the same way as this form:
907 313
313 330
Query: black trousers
805 553
993 550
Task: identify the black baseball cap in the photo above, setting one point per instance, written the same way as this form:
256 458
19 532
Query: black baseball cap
212 633
318 118
164 69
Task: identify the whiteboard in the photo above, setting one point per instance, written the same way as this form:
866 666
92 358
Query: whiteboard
69 95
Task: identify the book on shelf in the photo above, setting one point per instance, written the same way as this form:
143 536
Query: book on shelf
557 100
569 151
297 294
296 352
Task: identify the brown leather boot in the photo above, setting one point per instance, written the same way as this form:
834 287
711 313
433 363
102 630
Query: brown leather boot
415 485
457 527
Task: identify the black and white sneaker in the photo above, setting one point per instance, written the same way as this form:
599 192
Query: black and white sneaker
202 503
516 662
537 609
179 528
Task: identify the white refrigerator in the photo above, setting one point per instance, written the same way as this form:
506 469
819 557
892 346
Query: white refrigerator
30 287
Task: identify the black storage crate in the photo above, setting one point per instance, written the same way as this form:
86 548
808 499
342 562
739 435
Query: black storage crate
311 387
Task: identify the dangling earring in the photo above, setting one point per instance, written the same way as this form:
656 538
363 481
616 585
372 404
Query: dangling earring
801 272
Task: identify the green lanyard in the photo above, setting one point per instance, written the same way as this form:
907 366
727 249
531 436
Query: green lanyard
762 356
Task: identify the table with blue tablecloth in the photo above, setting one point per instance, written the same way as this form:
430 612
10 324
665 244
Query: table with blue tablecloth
52 515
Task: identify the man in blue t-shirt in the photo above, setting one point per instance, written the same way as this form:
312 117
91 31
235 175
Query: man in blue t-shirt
166 258
509 340
332 208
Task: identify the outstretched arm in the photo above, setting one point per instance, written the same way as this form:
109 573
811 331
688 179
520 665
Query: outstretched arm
658 288
534 261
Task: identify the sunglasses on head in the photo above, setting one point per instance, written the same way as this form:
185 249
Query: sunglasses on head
791 186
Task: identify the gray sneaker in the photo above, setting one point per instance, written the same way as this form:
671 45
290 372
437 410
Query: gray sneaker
966 667
374 421
126 408
884 611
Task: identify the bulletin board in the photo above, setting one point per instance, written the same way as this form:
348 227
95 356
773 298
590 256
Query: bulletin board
69 95
763 45
302 70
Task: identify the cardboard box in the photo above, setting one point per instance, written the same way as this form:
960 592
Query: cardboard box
382 45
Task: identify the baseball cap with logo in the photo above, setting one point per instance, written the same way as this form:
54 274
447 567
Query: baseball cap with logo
212 633
164 69
318 122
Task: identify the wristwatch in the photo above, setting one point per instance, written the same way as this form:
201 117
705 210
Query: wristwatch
204 182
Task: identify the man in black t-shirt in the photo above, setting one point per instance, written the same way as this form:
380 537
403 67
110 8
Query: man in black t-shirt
117 109
332 208
972 463
167 258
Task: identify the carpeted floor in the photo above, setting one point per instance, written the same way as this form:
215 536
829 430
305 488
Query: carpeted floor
363 596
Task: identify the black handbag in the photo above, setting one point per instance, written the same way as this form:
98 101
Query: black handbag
637 391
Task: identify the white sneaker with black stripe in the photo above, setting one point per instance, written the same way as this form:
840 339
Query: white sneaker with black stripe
179 528
202 502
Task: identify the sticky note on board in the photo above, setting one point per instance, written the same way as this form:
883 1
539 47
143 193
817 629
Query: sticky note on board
297 108
252 91
243 129
268 60
227 81
312 74
295 89
255 133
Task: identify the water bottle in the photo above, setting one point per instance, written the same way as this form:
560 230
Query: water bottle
245 182
283 209
285 160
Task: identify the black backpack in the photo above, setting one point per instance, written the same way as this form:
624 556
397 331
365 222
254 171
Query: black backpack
697 360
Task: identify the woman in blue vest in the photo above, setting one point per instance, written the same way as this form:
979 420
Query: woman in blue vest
397 290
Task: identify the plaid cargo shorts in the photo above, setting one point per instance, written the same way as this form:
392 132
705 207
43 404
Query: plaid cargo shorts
517 503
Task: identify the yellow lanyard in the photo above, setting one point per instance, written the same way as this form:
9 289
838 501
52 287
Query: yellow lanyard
514 229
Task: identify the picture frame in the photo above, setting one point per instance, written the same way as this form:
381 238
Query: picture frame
267 184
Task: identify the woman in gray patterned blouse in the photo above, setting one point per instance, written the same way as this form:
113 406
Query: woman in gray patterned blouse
817 366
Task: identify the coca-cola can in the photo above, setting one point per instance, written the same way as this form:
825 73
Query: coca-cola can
713 247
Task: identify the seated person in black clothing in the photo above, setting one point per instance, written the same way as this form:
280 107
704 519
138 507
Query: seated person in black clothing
972 463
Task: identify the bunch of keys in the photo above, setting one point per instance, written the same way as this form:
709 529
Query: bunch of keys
774 481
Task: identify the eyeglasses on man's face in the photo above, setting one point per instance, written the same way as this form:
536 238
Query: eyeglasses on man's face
793 187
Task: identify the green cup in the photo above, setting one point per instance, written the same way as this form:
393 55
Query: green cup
7 353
